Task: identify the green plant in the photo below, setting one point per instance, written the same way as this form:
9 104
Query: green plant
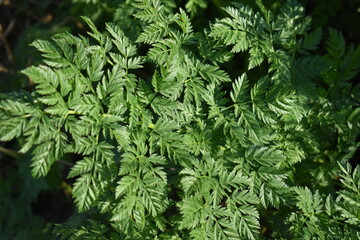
183 141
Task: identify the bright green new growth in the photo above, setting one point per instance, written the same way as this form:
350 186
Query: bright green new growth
189 152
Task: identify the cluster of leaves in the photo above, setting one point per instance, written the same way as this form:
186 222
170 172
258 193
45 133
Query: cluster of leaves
173 147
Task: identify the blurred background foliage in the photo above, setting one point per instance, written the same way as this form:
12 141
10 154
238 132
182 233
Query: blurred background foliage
30 207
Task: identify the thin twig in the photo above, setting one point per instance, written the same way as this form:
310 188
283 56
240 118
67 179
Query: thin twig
9 152
10 27
6 44
5 70
65 163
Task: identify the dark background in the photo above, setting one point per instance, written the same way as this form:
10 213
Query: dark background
29 207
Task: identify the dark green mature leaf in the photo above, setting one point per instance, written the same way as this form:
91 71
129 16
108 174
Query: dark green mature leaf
184 134
85 192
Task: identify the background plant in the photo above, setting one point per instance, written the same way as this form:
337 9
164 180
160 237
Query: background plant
174 135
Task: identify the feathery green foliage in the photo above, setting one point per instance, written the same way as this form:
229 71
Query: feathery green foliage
174 147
